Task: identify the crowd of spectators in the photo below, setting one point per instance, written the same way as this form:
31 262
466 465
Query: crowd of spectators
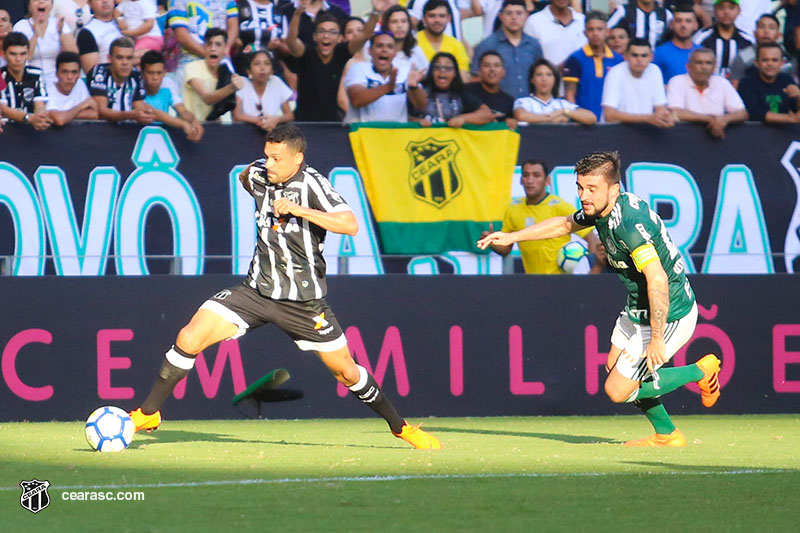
263 62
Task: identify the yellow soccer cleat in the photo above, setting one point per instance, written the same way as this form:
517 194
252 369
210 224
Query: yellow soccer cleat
709 385
673 440
147 422
419 439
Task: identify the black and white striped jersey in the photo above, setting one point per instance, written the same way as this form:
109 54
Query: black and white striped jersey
287 262
23 94
650 26
120 97
725 49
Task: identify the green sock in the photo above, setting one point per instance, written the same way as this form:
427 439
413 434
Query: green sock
668 380
654 410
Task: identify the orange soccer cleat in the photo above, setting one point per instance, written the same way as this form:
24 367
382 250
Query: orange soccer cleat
418 438
709 384
673 440
147 422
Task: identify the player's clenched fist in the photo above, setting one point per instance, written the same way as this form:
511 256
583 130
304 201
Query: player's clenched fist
284 206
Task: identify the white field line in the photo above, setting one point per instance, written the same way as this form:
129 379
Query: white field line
409 477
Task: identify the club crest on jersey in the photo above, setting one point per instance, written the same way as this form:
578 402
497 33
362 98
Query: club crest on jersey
292 196
434 176
610 246
34 496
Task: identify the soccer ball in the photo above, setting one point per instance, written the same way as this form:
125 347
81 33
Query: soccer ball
570 256
109 429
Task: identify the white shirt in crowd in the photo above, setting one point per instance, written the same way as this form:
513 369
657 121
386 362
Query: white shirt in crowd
557 41
77 16
749 11
717 99
387 108
626 93
104 34
491 8
534 105
136 12
269 105
59 101
47 47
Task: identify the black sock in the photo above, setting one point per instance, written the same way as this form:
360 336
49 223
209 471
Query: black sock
368 391
168 376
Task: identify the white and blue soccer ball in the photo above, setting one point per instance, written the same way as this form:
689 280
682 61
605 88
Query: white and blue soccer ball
109 429
573 258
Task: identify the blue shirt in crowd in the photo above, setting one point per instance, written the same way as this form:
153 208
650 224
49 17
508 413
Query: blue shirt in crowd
516 60
672 59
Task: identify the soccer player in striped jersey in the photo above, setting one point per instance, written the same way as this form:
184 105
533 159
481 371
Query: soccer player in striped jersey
295 207
661 312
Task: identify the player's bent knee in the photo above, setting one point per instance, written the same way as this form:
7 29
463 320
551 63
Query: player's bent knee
189 341
615 394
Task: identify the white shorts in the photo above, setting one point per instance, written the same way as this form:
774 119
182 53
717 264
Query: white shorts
633 339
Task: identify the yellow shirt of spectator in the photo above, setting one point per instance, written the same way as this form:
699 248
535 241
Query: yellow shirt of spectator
449 44
539 257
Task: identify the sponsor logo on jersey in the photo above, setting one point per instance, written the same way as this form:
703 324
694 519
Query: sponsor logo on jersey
434 176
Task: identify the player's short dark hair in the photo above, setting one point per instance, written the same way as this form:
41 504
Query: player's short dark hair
434 4
768 16
327 17
537 162
764 46
151 57
683 7
15 38
491 53
67 57
513 3
288 134
120 42
605 163
638 41
215 32
596 15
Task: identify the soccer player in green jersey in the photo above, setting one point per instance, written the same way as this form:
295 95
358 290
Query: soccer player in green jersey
661 312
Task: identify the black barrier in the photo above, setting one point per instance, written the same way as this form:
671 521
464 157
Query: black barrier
441 346
730 205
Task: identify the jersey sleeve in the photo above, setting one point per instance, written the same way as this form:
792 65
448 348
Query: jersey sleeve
571 71
582 219
323 197
86 42
636 233
177 16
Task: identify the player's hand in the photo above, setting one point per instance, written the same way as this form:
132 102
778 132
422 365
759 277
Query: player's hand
40 121
284 206
656 353
392 80
497 237
237 81
792 91
456 122
414 77
716 128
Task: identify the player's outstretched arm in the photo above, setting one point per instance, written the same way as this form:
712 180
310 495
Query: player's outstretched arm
547 229
336 221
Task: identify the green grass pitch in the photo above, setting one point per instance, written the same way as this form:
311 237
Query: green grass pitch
738 473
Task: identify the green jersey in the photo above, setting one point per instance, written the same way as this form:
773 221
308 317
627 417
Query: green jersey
634 236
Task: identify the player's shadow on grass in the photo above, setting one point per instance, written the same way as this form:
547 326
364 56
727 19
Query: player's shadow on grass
163 436
692 469
569 439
